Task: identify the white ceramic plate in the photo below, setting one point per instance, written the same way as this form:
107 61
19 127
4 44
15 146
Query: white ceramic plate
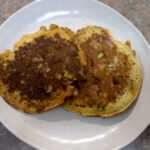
59 129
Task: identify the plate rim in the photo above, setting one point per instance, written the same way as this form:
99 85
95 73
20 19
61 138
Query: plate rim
21 137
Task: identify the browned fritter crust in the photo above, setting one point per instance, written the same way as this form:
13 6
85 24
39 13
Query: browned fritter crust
113 75
37 85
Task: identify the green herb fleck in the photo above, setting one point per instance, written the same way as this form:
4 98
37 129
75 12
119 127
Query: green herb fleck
132 83
68 75
97 107
99 54
75 93
56 75
121 80
41 59
103 108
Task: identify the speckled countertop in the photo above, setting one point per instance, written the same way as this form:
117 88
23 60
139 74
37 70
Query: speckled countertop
137 11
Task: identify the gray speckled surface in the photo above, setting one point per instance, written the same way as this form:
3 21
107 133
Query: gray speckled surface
137 11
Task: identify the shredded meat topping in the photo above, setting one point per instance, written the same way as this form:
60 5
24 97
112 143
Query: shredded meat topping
106 73
42 67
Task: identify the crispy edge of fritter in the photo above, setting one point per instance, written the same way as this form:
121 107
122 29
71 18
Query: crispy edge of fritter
30 106
122 102
65 33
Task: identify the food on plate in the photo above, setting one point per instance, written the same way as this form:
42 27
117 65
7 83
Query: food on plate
112 76
39 73
90 72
